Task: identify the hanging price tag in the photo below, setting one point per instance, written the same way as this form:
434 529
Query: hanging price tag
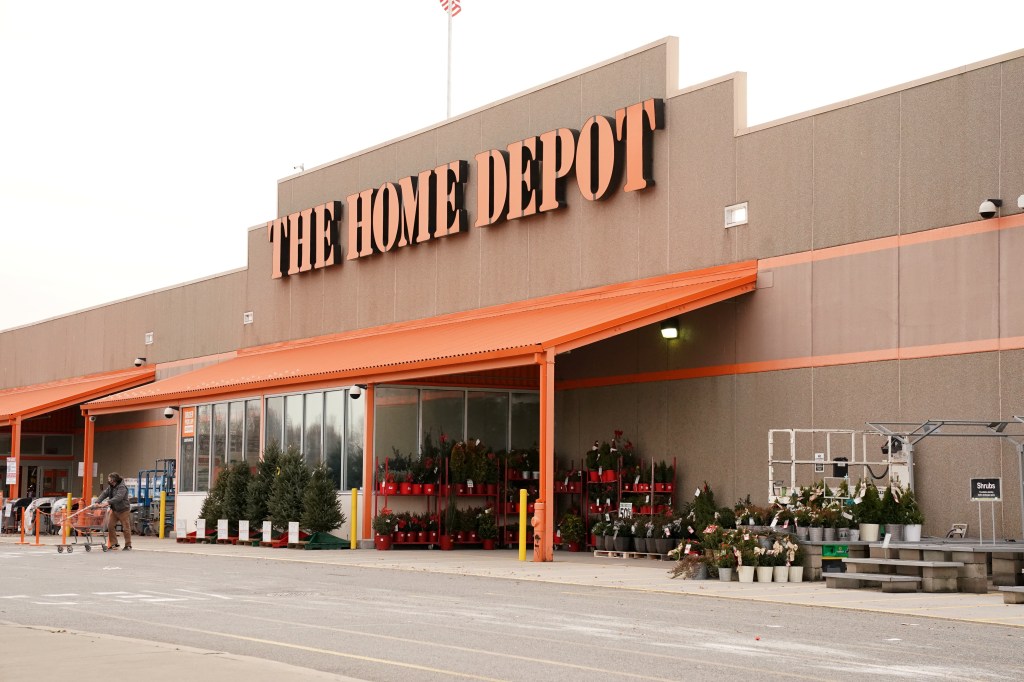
636 480
686 550
692 531
774 522
608 501
600 471
786 524
607 517
566 481
697 493
848 516
647 499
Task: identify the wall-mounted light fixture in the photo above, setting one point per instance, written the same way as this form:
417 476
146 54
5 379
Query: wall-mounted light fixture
356 391
670 329
139 362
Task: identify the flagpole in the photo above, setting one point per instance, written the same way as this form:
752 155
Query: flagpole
450 3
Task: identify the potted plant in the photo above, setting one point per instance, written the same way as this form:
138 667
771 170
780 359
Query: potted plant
868 512
747 557
572 531
487 528
384 524
597 534
891 513
795 561
726 561
622 534
765 564
913 517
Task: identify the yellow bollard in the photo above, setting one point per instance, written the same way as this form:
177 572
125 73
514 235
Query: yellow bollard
163 512
353 533
522 524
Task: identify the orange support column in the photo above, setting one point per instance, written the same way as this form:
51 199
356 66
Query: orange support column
368 463
547 454
90 434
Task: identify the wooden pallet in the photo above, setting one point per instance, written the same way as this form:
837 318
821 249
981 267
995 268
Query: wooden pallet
628 555
297 545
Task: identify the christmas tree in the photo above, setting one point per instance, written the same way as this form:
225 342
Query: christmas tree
285 502
321 511
258 491
235 494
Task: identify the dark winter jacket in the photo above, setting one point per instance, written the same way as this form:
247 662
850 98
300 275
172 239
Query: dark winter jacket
118 496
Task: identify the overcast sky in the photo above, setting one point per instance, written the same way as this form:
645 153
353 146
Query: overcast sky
139 141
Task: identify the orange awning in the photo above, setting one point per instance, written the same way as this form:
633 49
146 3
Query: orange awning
499 336
31 401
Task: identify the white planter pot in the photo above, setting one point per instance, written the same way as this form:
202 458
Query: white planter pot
780 574
796 574
869 532
912 532
854 534
725 574
764 574
746 573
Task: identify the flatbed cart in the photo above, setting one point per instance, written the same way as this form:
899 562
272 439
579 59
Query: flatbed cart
84 522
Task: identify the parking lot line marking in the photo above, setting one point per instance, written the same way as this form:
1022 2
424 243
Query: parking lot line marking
15 596
56 603
205 594
67 594
110 593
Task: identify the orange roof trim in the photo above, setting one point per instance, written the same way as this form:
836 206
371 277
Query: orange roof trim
30 401
499 336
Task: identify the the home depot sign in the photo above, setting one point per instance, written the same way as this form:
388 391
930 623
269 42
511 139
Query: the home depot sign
525 178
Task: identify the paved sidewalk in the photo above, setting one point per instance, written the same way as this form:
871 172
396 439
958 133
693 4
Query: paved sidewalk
580 569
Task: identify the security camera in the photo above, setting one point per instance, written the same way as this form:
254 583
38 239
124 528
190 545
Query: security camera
989 208
92 417
169 412
139 362
355 392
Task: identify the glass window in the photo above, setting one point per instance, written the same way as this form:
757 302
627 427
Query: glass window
525 420
275 421
293 422
57 445
444 412
187 471
355 436
314 426
203 448
334 425
220 440
395 424
487 418
31 445
5 444
236 431
252 433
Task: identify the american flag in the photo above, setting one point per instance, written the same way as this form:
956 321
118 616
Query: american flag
456 6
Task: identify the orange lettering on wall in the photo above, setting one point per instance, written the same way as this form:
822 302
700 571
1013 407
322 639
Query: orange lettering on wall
416 214
326 233
386 216
300 238
595 158
492 187
449 182
557 155
636 124
522 178
360 209
277 232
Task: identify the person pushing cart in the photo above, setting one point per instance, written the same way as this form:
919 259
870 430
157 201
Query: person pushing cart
115 496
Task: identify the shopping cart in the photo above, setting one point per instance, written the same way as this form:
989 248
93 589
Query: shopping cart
84 522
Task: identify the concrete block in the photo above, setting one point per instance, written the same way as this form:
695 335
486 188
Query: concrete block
939 584
972 585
